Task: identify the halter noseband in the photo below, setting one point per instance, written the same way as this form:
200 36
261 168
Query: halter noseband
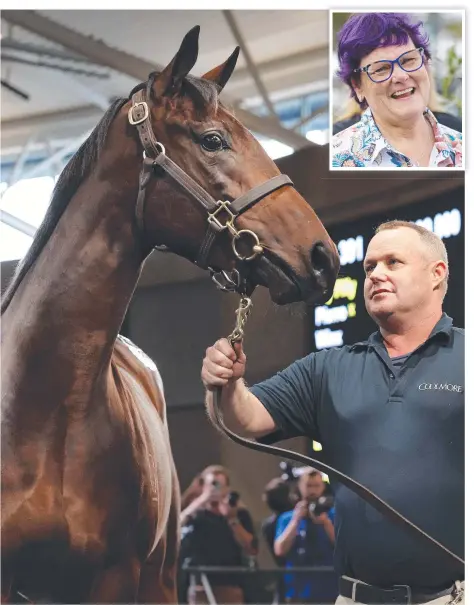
221 215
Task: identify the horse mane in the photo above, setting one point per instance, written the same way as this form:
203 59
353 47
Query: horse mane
79 167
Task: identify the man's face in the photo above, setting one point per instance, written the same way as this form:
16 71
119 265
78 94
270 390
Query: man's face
311 487
400 277
219 484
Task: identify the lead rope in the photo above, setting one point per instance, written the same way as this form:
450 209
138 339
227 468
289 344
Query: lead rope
385 509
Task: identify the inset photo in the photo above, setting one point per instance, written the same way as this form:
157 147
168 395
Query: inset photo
397 90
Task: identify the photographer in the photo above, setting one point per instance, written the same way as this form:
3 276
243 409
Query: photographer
216 530
305 537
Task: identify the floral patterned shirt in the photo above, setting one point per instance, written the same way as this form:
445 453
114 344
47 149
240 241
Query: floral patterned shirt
362 145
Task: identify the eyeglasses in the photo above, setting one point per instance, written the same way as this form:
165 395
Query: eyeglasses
380 71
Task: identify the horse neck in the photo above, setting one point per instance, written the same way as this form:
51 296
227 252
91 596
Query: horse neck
69 307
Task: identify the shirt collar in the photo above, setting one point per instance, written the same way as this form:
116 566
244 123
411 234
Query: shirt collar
441 330
445 147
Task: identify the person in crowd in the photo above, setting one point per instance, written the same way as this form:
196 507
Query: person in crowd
305 537
216 531
280 498
384 60
389 412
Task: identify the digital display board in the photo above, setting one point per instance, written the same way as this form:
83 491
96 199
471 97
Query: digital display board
343 319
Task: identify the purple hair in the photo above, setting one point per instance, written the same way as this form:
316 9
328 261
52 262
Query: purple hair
363 33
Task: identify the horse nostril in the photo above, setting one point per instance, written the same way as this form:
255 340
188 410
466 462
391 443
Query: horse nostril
320 258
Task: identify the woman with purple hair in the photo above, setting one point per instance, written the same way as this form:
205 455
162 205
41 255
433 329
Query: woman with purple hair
384 60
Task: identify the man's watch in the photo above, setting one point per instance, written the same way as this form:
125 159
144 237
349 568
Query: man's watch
234 522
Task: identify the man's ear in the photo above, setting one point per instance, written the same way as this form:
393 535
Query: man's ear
439 272
171 78
221 74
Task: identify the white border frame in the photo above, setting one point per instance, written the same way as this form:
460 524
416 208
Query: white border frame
332 69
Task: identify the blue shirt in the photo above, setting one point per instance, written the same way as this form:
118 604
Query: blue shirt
312 547
362 145
399 432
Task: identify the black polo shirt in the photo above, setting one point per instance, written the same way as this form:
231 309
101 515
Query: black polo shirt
397 430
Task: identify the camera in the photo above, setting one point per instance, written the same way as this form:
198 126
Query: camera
234 497
321 505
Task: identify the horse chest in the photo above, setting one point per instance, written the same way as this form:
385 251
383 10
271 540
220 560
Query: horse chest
120 464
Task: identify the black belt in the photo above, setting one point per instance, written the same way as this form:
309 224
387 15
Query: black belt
398 595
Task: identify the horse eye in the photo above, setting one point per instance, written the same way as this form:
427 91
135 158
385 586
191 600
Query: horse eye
212 142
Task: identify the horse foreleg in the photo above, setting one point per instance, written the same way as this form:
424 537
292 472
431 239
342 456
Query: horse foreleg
117 584
158 578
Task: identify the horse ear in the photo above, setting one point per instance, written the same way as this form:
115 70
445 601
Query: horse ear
171 78
222 73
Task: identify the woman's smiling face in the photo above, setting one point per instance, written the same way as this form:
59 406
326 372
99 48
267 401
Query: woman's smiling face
403 96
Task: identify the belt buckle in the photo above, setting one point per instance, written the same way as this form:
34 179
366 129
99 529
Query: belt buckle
408 589
354 590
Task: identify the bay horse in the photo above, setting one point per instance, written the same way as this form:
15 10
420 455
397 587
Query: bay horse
90 497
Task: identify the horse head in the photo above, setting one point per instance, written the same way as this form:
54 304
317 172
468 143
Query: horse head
275 238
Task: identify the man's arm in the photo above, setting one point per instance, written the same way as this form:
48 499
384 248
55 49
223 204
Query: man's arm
190 510
243 413
329 529
326 520
244 538
285 536
284 405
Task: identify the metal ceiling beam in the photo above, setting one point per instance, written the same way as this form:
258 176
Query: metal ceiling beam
309 58
135 67
17 223
20 161
36 49
89 94
71 147
58 165
311 116
239 38
49 119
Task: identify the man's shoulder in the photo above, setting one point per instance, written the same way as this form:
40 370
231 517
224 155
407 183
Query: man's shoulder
330 358
458 339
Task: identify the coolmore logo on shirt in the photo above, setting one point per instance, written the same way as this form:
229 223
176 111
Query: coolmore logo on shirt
432 386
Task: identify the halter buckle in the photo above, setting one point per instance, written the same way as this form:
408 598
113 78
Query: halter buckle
135 121
215 222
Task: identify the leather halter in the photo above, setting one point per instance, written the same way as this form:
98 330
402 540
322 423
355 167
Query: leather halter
220 214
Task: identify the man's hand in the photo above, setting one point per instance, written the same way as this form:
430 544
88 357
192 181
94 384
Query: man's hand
229 511
321 519
300 511
222 364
